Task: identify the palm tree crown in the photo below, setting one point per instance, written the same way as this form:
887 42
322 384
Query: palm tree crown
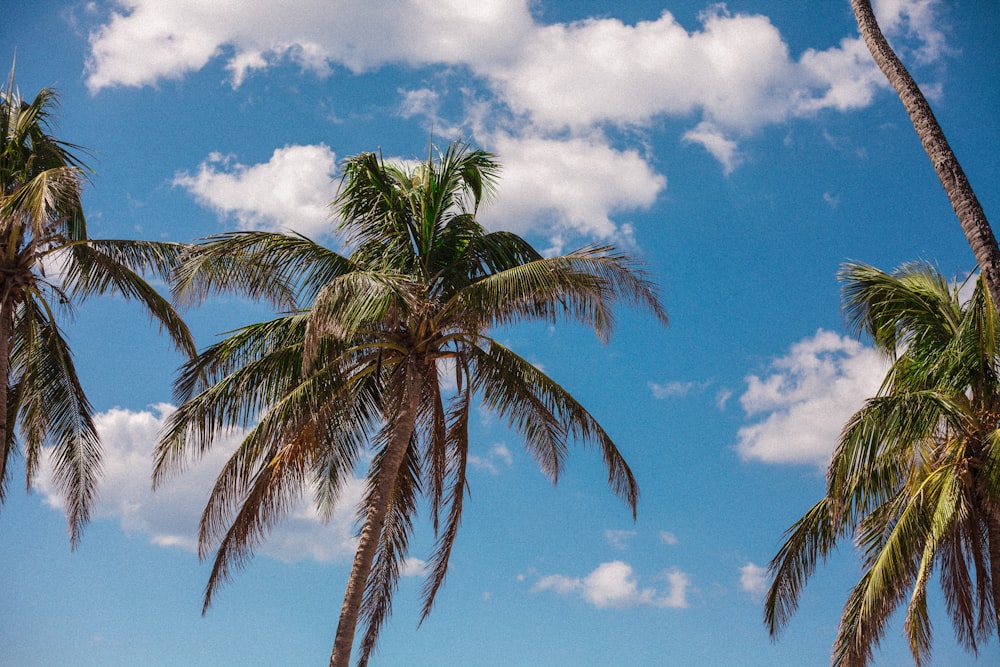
915 477
357 362
47 263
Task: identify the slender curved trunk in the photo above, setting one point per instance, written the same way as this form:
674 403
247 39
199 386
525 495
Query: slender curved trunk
404 423
6 333
963 200
993 541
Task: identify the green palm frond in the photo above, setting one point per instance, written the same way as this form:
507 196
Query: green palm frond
807 543
110 267
915 477
42 222
276 268
453 484
546 415
356 364
53 408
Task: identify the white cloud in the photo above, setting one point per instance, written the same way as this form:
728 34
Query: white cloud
668 538
498 455
291 191
675 389
732 75
916 18
619 539
753 579
614 586
181 36
569 185
808 395
169 517
713 140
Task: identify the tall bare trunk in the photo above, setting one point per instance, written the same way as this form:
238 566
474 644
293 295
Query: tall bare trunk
963 200
404 422
6 332
993 541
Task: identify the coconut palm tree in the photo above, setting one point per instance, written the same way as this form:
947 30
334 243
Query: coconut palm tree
963 199
47 264
915 478
358 364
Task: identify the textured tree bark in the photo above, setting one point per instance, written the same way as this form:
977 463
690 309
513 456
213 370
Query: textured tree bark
6 332
993 540
963 200
375 519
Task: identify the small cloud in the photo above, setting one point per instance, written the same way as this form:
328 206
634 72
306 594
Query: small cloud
498 455
421 102
675 389
413 567
717 144
619 538
804 399
832 200
722 398
291 191
614 586
753 579
668 538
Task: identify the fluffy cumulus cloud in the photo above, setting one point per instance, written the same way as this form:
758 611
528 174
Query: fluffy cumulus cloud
801 403
169 517
753 579
546 94
731 74
291 191
575 184
614 585
179 37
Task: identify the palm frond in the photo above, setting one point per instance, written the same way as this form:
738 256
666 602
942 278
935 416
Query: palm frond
53 407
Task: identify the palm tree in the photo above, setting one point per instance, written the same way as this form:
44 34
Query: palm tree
915 478
47 263
360 365
963 200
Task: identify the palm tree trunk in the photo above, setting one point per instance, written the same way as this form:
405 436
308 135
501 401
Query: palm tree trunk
6 333
404 422
993 540
963 200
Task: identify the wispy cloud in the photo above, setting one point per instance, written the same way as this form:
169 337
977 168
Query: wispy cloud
619 539
498 456
676 389
668 538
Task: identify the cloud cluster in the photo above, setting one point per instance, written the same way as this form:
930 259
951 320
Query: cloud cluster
806 397
614 585
551 91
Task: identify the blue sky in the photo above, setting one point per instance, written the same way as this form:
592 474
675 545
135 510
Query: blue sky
743 150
